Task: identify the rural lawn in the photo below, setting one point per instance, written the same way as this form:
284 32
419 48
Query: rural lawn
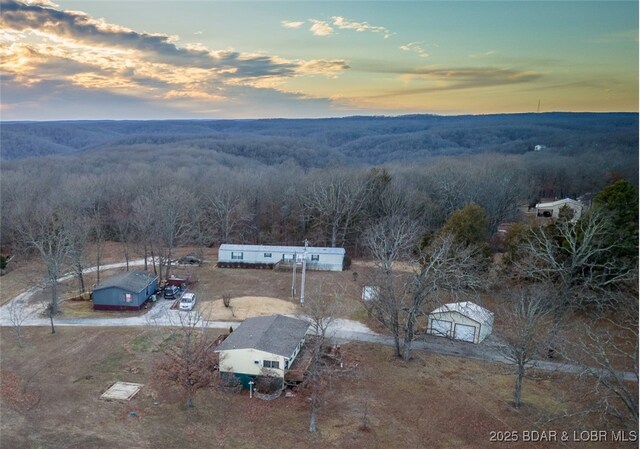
51 387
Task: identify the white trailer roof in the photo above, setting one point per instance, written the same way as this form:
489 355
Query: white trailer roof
469 309
282 249
557 203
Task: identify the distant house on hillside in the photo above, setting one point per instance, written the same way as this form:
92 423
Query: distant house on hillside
125 291
318 258
552 209
261 346
539 148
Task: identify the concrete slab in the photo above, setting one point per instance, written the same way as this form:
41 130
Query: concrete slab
121 391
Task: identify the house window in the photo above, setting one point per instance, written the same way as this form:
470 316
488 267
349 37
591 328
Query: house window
271 364
128 297
267 255
287 257
236 256
315 257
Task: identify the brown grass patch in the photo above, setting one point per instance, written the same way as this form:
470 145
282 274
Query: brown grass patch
433 401
245 307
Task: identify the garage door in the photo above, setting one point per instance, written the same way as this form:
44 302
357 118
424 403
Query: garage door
441 327
464 332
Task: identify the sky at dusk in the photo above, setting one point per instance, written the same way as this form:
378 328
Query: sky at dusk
246 59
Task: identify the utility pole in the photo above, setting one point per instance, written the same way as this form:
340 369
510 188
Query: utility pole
293 280
304 269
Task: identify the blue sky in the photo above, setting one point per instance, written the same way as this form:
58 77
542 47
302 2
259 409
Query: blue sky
243 59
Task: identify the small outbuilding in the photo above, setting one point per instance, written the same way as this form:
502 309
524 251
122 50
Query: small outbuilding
262 346
270 256
466 321
125 291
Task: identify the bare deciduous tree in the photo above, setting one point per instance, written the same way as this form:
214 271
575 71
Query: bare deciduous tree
321 309
79 231
227 208
526 324
445 266
608 351
389 241
169 215
573 257
43 229
143 223
335 200
17 316
190 363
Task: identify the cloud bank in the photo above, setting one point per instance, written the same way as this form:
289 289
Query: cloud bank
70 49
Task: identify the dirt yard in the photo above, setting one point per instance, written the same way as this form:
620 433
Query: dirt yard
50 392
247 306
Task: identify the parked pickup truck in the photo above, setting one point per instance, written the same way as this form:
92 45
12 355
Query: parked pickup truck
171 292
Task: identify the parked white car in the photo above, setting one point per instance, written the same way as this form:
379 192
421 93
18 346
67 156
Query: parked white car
188 301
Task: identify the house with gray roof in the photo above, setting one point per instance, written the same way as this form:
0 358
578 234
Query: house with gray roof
125 291
262 346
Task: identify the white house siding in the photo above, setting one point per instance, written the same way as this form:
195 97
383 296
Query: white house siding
554 208
243 361
327 259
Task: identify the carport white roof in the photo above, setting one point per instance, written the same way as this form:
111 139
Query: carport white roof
469 309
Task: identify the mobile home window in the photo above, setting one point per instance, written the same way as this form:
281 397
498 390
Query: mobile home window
315 257
271 364
287 257
267 255
128 297
236 255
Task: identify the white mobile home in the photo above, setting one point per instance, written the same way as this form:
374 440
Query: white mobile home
553 208
466 321
326 259
261 346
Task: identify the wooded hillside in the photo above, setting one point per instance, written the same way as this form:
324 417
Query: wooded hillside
323 142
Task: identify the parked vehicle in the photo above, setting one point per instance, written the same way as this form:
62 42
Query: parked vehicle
188 301
171 292
189 260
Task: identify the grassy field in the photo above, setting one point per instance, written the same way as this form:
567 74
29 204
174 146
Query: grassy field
51 387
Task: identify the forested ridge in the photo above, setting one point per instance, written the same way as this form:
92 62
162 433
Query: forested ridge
323 142
273 181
